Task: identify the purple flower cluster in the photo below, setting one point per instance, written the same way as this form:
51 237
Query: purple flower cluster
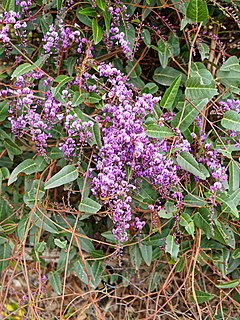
60 38
29 114
77 133
218 172
128 155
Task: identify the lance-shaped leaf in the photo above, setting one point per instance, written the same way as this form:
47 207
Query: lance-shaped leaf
62 80
231 120
187 222
197 10
155 131
55 281
170 94
97 32
234 176
28 166
146 252
228 285
202 296
187 114
65 175
197 91
166 76
89 206
228 205
172 247
186 161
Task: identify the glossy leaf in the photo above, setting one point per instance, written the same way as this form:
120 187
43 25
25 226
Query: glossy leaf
231 120
62 80
67 174
97 32
187 222
234 176
197 10
146 252
28 166
188 113
159 132
228 285
55 281
169 96
196 91
172 247
202 296
166 76
89 206
187 162
4 107
5 254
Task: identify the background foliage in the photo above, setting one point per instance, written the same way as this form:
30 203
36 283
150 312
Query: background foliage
119 159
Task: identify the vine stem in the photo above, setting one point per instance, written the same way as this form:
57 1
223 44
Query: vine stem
191 48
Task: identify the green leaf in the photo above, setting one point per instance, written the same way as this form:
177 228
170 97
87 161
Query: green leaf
228 285
55 281
9 5
204 50
135 256
187 222
155 131
192 200
27 67
94 98
187 115
40 246
170 94
89 206
43 222
84 19
71 63
67 174
197 91
150 87
60 244
201 220
228 205
80 271
12 148
78 98
166 76
88 11
234 176
202 296
164 52
231 120
224 234
101 4
97 32
97 135
229 74
62 80
59 4
231 64
146 252
96 271
5 253
172 247
197 10
146 37
28 166
4 107
198 70
186 161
